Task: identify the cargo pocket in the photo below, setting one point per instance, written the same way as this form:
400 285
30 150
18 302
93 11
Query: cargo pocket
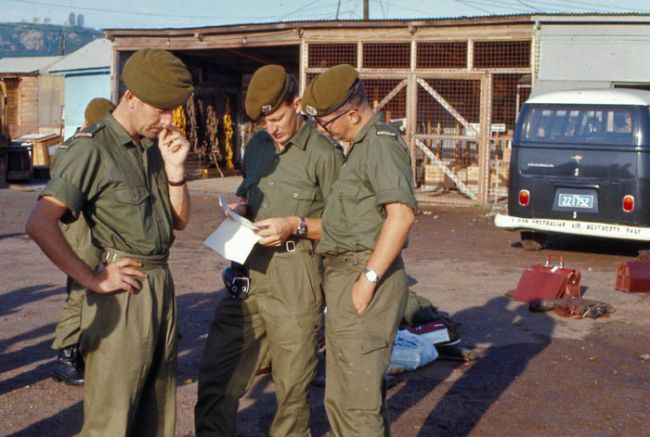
365 363
312 267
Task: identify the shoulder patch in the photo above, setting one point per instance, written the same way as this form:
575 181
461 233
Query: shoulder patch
90 131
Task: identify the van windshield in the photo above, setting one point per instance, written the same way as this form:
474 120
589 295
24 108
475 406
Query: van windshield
557 124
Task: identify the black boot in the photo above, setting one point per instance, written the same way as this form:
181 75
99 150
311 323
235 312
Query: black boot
69 366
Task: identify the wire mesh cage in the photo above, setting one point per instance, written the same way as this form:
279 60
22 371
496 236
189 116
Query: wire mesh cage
386 55
504 98
327 55
442 54
448 103
502 54
378 89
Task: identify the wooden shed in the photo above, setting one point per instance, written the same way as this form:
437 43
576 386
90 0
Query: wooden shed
34 97
454 86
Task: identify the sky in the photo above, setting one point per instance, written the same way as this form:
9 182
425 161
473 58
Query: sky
103 14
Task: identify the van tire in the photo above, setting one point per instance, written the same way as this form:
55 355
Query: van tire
533 241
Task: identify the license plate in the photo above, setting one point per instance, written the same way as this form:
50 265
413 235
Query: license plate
576 200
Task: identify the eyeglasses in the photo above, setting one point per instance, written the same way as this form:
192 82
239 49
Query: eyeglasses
326 125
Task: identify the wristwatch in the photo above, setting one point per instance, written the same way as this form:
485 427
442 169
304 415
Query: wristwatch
302 228
371 275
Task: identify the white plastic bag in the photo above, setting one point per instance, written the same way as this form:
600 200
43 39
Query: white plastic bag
411 351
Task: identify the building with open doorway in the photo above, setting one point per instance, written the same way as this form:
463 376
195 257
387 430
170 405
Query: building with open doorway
453 86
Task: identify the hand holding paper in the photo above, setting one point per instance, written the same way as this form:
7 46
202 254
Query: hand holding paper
234 238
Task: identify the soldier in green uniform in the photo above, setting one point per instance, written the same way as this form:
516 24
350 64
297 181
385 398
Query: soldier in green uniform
365 225
289 170
69 364
132 193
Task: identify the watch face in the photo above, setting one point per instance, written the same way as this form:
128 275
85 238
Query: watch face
302 228
370 275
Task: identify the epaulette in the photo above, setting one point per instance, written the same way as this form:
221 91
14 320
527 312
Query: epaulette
90 131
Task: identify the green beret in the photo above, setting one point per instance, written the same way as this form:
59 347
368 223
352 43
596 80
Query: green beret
267 90
158 78
97 109
328 91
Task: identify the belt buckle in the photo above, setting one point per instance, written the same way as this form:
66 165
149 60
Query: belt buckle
290 245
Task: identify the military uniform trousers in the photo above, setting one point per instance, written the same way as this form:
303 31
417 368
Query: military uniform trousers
359 346
283 315
129 343
69 326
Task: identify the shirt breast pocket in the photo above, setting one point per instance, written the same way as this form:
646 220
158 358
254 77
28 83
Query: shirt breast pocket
131 195
304 198
347 190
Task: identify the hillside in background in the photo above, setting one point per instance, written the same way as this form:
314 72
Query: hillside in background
33 39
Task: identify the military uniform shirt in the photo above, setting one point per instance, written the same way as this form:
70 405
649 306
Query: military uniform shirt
119 186
293 182
376 171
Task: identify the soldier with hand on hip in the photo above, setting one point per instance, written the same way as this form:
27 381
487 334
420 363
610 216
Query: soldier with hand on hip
126 177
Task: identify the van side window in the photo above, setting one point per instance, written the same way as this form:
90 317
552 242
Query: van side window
563 124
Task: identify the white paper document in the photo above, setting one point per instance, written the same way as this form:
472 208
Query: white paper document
234 238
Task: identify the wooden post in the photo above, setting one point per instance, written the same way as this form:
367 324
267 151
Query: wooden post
484 139
411 112
304 58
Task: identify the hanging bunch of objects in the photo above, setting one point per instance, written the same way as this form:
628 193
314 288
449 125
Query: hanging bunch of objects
208 122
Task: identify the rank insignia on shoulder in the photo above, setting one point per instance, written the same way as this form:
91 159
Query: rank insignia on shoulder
90 131
386 133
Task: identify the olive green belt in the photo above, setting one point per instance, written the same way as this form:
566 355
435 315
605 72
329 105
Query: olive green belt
347 258
151 261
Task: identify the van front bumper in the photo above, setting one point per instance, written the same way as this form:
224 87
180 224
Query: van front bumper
574 227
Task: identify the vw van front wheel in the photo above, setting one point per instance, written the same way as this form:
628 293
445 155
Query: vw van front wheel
533 240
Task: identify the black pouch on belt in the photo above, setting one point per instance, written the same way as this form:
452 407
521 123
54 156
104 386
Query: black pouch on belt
236 280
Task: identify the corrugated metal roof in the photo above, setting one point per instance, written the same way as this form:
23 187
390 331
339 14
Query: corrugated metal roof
27 65
433 21
96 54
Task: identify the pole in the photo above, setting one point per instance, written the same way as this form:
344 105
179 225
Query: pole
365 10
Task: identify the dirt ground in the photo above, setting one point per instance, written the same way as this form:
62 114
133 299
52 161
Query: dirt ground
537 373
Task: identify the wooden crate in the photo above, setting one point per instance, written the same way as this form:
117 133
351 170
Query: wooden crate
40 144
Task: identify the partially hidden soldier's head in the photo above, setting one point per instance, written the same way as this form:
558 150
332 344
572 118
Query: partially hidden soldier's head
96 110
157 82
273 99
336 100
